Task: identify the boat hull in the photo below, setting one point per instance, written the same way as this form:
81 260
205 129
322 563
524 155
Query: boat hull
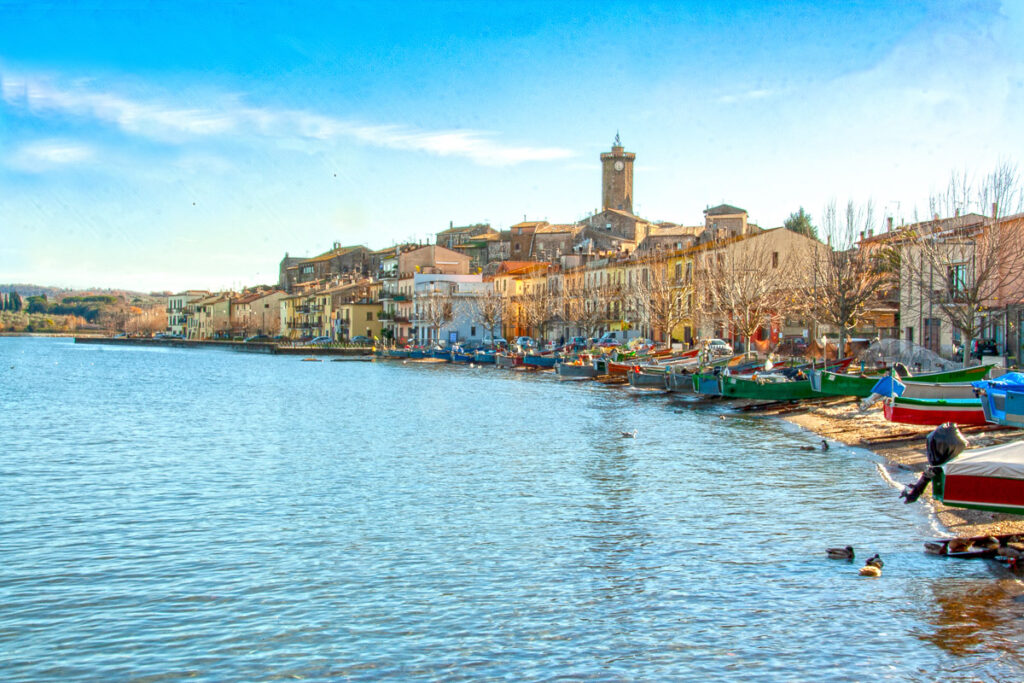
934 412
989 479
643 380
838 384
531 360
569 371
741 387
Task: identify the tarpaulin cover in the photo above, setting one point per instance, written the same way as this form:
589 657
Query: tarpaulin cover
1011 381
888 386
1005 462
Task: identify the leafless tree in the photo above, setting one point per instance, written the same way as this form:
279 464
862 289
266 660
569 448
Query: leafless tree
490 311
437 309
972 261
537 308
658 297
843 276
744 286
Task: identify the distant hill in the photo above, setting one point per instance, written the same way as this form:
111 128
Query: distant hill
59 293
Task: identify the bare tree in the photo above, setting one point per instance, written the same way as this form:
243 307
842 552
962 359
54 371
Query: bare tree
537 308
845 277
437 309
658 297
490 311
745 286
971 263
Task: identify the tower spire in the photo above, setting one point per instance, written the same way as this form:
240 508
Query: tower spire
618 142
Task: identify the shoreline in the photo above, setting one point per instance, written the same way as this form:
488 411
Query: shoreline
904 447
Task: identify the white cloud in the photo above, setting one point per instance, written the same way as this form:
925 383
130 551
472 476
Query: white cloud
229 117
43 155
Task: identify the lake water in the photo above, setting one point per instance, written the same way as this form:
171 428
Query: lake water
217 516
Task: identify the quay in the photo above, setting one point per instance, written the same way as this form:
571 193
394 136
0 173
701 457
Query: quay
227 345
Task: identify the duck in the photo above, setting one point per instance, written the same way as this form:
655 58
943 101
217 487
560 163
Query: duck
822 447
840 553
874 561
628 435
870 570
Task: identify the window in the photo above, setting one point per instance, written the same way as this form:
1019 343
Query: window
775 259
369 315
472 330
679 271
957 279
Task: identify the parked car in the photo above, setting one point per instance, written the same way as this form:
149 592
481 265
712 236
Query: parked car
719 347
361 339
258 338
496 341
526 342
984 347
320 340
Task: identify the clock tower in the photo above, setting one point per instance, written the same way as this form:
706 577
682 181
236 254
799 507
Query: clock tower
617 178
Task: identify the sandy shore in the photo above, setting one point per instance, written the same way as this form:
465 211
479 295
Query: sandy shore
904 445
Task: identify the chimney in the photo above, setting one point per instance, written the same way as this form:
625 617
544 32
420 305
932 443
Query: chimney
889 220
956 214
995 210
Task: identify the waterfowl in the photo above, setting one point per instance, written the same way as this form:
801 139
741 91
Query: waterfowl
822 447
874 561
870 570
629 435
840 553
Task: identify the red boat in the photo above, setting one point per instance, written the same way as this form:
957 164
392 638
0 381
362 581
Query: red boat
924 411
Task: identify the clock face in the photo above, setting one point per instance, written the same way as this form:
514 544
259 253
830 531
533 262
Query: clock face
619 166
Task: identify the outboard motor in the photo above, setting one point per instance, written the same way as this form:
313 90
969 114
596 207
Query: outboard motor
945 442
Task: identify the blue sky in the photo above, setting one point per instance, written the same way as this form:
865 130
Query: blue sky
157 146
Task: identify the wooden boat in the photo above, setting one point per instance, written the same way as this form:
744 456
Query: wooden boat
679 382
639 379
984 479
706 384
459 357
575 371
1002 399
484 356
842 384
923 411
537 360
508 360
441 354
766 388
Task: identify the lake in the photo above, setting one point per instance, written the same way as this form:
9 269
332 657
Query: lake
219 516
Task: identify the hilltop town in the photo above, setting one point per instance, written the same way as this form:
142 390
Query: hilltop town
942 283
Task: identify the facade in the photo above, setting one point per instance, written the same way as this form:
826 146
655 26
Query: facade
177 310
256 312
446 308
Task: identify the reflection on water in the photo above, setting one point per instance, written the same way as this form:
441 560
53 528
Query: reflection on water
223 516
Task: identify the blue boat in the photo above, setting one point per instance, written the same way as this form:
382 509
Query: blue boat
484 356
536 360
459 357
1002 399
441 354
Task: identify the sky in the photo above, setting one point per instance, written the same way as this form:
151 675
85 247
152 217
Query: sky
170 145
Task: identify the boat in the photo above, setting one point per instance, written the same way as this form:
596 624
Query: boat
460 357
842 384
575 371
639 379
892 386
441 354
507 360
1002 399
537 360
484 356
706 383
923 411
766 387
984 479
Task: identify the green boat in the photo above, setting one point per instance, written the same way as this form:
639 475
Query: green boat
840 384
766 389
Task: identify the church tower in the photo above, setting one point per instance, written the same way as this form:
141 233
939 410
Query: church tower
617 178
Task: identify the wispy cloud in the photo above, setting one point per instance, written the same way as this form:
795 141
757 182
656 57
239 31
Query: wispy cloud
171 123
44 155
757 94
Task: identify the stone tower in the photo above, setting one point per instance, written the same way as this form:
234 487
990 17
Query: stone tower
617 178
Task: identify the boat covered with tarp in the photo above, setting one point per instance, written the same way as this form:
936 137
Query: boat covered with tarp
1002 399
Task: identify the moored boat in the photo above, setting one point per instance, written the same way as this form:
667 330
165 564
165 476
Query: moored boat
507 360
639 379
1002 399
484 356
923 411
537 360
842 384
575 371
984 479
766 388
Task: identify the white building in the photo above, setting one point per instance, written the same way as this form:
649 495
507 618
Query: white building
447 307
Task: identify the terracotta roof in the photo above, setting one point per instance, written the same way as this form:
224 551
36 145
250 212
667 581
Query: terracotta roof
545 229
